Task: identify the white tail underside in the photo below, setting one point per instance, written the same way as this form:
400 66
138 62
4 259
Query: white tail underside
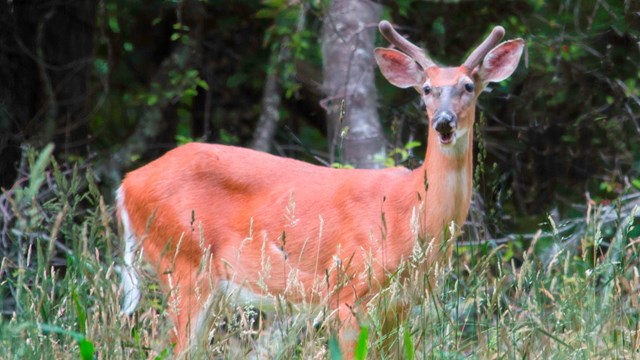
129 279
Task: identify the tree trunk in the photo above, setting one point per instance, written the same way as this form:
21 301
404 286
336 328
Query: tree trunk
158 121
348 37
270 115
272 92
158 124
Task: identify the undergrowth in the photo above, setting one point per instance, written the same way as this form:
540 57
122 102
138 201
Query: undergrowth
570 292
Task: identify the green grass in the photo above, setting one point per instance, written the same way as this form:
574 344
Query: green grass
572 293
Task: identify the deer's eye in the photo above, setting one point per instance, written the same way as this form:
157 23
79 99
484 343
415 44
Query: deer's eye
426 89
469 87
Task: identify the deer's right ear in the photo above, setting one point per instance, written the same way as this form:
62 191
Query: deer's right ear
502 61
401 70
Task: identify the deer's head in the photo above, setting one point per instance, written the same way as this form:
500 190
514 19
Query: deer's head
449 93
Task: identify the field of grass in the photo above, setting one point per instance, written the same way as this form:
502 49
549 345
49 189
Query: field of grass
568 291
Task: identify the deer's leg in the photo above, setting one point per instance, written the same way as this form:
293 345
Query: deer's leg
188 304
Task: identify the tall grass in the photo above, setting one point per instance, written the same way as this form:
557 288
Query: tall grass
573 293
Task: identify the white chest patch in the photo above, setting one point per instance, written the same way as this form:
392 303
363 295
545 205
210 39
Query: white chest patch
459 145
457 184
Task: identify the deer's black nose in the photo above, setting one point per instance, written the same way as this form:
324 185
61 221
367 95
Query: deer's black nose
445 122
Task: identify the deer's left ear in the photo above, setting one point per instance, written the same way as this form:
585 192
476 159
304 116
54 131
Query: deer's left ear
501 62
401 70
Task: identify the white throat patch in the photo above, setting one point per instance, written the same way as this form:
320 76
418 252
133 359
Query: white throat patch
459 145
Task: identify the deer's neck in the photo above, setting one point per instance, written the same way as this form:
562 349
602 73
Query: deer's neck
437 193
449 171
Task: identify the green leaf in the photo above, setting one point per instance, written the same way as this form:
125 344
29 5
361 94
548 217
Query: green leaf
408 344
114 25
508 254
87 350
636 183
164 354
203 84
266 14
38 169
438 26
228 138
152 99
101 66
412 144
191 73
82 315
403 7
361 346
181 139
275 3
633 231
337 165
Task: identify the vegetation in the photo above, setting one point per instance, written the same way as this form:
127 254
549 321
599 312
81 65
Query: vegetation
547 268
559 298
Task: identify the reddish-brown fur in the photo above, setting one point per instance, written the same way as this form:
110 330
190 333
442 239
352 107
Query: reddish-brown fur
249 208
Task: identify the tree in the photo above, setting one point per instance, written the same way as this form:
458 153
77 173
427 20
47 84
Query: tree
354 128
281 53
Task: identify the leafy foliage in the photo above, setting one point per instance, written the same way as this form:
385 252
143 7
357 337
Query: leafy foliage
548 278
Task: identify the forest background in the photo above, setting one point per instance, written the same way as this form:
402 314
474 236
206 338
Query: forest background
106 86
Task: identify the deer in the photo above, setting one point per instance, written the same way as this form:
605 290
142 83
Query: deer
208 217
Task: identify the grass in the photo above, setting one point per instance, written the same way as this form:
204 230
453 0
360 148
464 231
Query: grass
572 292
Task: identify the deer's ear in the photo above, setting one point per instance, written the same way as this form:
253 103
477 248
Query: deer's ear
501 62
401 70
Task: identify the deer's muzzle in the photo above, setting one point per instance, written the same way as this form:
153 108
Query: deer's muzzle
445 123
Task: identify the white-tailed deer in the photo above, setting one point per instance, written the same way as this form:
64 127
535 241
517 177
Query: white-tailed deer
214 218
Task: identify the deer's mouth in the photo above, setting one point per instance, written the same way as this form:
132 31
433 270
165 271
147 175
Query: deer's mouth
446 138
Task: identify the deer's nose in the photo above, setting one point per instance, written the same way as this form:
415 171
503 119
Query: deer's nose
445 122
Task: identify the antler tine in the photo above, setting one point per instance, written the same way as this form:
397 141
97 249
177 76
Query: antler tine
403 44
481 51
